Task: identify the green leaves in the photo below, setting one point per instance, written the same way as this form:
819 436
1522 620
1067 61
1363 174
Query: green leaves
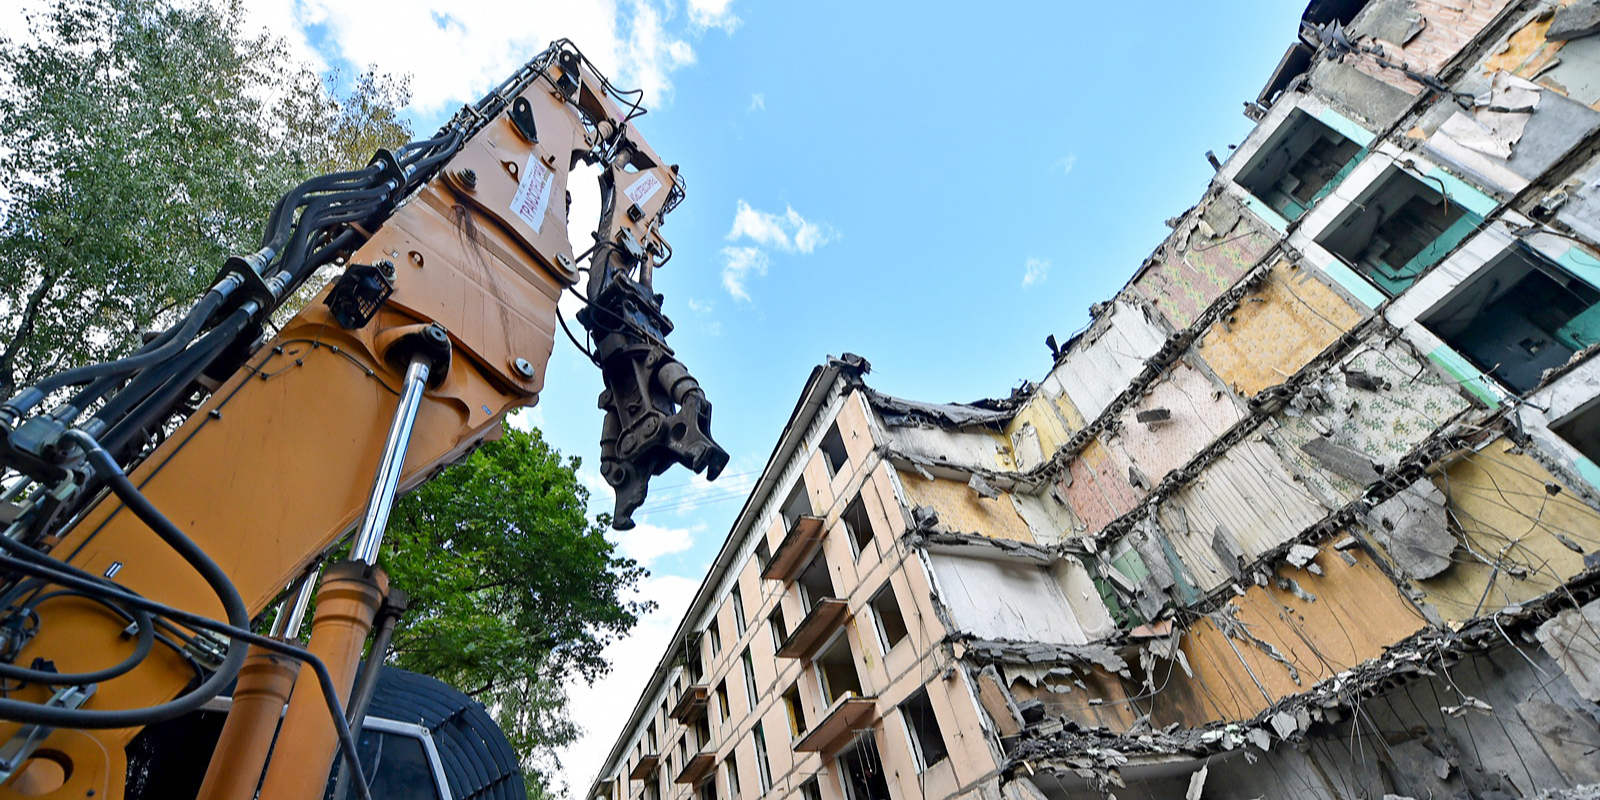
141 143
513 590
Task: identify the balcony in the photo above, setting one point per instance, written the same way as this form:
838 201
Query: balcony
799 544
646 767
692 705
825 618
697 767
838 727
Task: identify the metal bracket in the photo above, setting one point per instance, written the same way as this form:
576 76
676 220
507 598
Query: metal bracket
19 748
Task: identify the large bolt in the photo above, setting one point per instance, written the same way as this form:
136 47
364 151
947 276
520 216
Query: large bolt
469 177
523 368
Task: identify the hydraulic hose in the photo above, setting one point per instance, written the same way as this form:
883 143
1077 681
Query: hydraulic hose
233 606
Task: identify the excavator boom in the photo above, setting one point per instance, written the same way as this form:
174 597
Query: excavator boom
158 504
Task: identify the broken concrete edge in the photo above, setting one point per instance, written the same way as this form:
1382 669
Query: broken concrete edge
1064 745
898 412
965 543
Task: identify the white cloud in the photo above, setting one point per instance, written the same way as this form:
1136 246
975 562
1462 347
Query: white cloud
471 47
713 14
1038 270
738 263
603 708
788 231
646 543
1066 163
758 102
701 306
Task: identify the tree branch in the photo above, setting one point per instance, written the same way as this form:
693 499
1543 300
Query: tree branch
30 319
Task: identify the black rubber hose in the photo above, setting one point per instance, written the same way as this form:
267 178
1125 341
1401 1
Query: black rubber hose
186 330
142 648
156 398
232 604
54 573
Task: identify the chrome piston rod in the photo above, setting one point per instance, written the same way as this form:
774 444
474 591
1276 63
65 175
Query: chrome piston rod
381 501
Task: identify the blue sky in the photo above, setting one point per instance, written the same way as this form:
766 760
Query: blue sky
935 186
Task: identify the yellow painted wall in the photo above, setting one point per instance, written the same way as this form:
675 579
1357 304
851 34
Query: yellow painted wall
963 511
1501 510
1276 330
1039 413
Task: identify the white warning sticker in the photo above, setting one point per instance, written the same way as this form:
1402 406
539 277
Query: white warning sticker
644 189
533 193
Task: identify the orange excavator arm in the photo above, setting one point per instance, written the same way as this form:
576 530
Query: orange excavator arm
158 504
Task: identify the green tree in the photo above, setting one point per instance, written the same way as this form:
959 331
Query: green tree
141 143
513 590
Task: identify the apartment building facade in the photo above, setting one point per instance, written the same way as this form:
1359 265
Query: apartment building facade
1311 508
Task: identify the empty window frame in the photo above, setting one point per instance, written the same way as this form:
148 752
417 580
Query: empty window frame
796 711
702 735
738 612
796 506
707 790
1581 429
1300 163
811 790
732 770
1398 228
780 629
650 739
749 680
723 711
1518 317
763 765
886 614
763 555
716 638
833 452
815 583
927 741
861 771
858 526
836 671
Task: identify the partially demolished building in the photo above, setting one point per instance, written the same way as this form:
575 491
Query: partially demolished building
1308 510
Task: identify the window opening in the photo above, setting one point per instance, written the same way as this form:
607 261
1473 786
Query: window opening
716 638
815 583
1301 163
837 671
738 612
833 452
796 506
1521 316
763 555
1397 229
749 680
722 701
796 712
780 630
926 738
733 775
859 526
886 612
811 790
763 767
861 771
1581 429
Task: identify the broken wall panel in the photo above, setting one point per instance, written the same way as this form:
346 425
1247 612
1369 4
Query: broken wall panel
969 448
1276 330
1554 53
1183 412
1038 430
1529 740
1049 517
1102 362
1096 486
1422 34
963 510
1246 497
1520 533
1005 600
1271 643
1207 254
1085 693
1363 415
